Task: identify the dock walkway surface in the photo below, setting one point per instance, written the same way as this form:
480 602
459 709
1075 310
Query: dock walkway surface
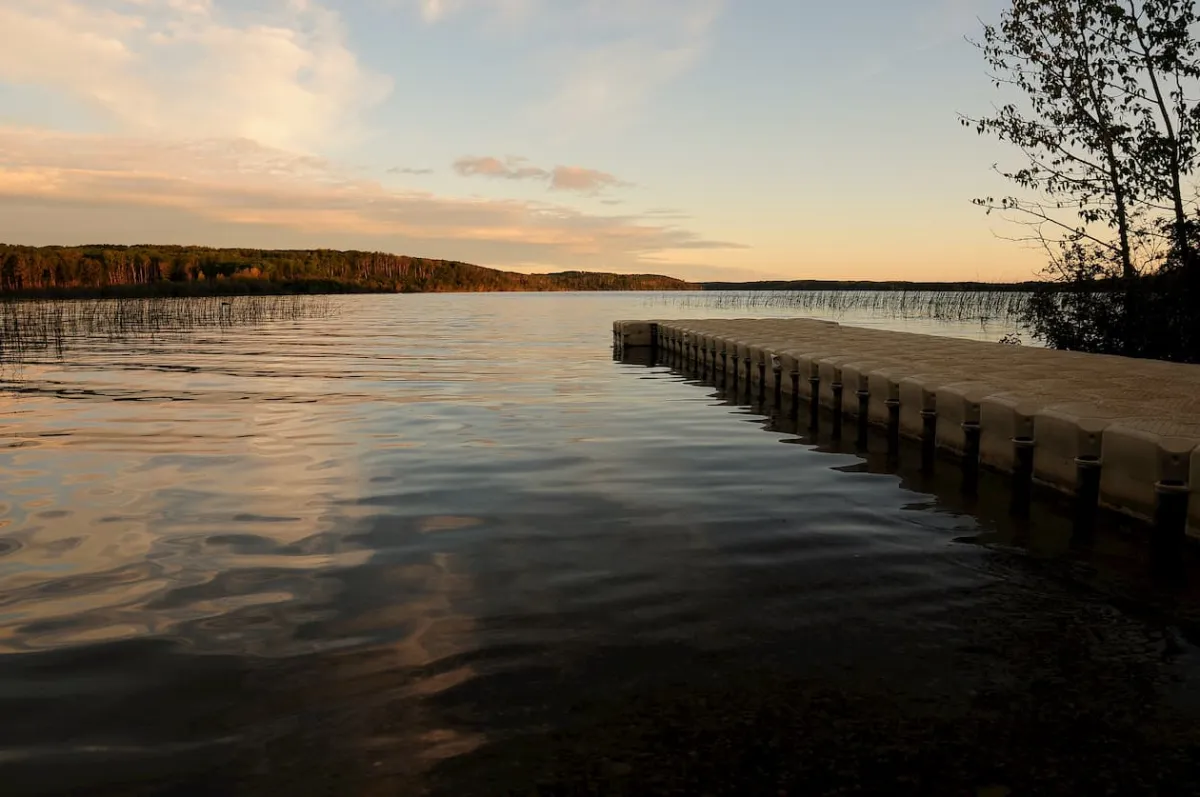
1136 422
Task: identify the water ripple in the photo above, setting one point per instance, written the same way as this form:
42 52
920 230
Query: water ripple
441 544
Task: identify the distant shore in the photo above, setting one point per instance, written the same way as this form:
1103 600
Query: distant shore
247 287
112 271
260 287
151 271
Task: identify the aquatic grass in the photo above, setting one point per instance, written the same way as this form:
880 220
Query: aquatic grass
37 326
982 306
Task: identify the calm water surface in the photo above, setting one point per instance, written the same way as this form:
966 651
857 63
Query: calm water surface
445 545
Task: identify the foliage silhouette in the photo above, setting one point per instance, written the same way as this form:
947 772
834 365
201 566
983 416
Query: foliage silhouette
1101 104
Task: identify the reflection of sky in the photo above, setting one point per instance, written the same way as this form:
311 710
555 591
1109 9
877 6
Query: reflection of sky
128 499
416 493
145 470
338 552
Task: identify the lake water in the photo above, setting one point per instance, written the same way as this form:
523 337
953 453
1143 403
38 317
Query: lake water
446 545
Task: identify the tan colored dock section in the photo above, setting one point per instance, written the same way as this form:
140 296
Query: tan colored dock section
1140 418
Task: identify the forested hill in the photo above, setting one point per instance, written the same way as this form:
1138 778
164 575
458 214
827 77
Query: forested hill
193 269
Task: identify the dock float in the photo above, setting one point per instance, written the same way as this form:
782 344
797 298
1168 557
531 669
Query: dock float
1113 432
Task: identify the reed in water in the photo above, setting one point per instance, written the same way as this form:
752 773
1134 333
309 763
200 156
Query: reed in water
982 306
32 326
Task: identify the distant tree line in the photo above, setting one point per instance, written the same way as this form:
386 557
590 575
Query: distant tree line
187 270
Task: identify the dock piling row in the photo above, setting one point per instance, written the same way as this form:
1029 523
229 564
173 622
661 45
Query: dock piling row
1113 432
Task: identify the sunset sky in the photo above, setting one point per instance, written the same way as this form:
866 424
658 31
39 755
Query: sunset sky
705 139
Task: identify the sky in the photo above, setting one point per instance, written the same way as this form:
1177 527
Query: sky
706 139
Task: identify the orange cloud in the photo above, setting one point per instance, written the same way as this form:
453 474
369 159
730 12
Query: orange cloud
511 168
64 178
576 178
560 178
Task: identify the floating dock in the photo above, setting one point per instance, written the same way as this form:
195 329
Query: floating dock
1111 431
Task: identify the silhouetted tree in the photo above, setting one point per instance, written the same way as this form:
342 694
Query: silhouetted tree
1103 110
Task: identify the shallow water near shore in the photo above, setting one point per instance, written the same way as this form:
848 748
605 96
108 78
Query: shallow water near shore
446 545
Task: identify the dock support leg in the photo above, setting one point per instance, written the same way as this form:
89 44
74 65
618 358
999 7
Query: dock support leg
864 418
970 462
762 382
1087 495
778 371
1170 514
814 404
725 369
1022 494
893 428
795 396
749 380
928 440
838 389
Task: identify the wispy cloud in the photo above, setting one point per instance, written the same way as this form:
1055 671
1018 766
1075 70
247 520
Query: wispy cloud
280 73
437 10
613 56
511 168
64 182
577 178
218 112
644 47
665 213
930 25
560 178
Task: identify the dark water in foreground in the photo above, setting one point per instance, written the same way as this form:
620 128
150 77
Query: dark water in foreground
445 545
